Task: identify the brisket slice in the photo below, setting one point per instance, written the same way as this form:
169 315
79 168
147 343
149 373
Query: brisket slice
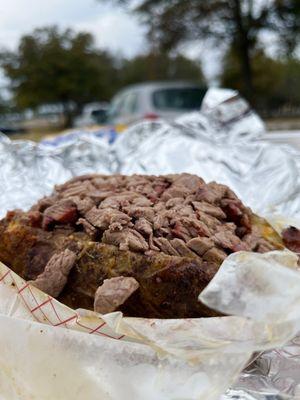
291 238
113 293
55 275
170 233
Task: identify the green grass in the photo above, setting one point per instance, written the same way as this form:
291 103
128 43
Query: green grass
283 123
35 136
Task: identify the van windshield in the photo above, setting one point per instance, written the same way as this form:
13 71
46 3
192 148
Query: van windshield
178 98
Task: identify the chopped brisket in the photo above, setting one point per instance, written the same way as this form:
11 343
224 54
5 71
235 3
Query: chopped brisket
200 245
126 239
165 246
170 233
181 248
83 204
113 293
291 238
88 227
104 218
215 255
209 209
54 278
63 212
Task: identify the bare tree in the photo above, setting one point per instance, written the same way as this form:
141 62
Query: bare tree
236 24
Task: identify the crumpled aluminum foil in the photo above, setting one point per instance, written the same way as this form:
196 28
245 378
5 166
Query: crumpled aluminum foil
224 142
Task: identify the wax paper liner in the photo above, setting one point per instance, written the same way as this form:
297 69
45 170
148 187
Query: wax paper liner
49 351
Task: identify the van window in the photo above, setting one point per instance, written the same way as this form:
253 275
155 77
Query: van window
178 98
99 115
116 106
130 104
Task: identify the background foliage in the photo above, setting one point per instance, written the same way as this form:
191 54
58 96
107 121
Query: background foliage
66 67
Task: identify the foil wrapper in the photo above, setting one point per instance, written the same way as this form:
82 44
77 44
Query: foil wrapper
226 142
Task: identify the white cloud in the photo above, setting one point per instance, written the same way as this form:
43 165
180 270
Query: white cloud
113 28
118 32
210 59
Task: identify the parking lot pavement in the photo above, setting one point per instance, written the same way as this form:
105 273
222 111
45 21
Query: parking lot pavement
291 137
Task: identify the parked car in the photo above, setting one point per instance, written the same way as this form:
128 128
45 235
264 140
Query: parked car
154 100
7 130
92 114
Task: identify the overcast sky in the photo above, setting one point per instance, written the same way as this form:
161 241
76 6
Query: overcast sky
113 28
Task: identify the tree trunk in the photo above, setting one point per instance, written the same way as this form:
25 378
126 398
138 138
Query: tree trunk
68 115
243 48
247 70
